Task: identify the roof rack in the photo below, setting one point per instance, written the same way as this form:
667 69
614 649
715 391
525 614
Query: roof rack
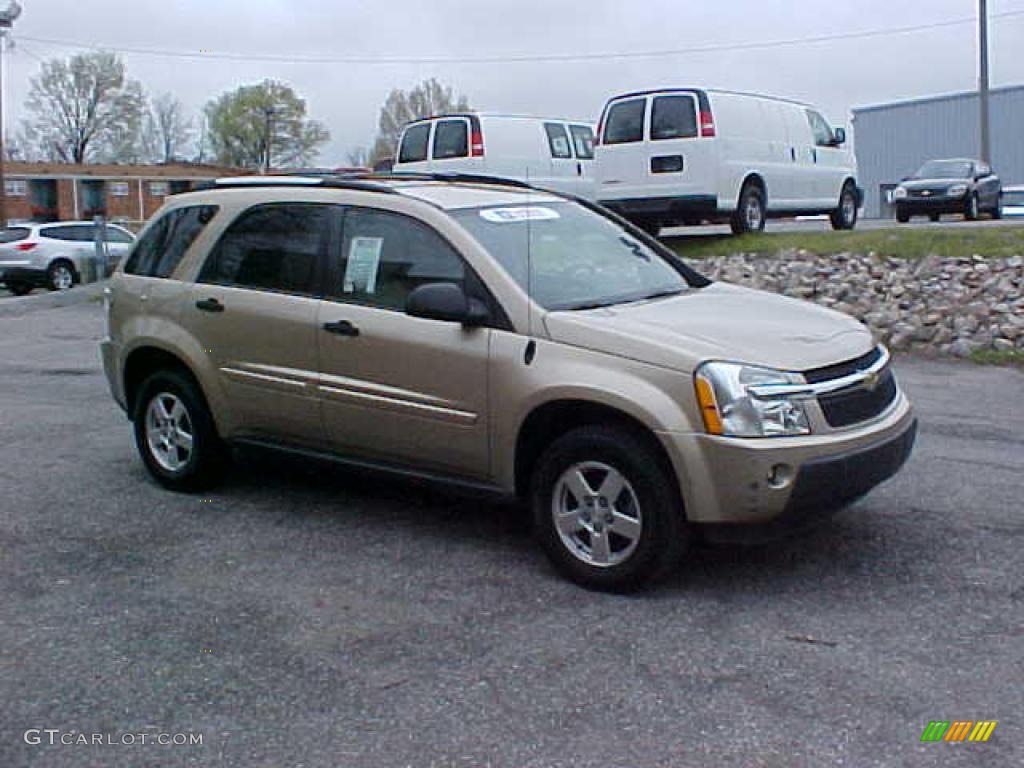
367 182
340 181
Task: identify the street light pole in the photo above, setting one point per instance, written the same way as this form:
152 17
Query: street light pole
986 137
268 113
7 17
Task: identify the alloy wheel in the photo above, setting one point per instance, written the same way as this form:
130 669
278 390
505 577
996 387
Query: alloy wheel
169 432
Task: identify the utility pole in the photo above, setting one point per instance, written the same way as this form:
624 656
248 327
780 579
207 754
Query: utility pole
7 17
268 113
986 136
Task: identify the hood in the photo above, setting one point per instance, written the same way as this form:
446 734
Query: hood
719 322
933 183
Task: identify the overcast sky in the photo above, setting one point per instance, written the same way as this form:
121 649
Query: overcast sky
836 75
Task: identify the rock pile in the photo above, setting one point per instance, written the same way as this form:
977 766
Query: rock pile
952 306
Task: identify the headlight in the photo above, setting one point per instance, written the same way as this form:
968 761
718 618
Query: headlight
730 409
899 193
956 190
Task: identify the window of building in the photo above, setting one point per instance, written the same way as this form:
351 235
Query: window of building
159 188
16 187
272 247
118 188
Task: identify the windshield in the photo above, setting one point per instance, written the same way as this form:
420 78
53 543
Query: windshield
944 169
568 257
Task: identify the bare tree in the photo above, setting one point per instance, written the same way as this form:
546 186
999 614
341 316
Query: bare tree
359 157
83 109
168 130
426 99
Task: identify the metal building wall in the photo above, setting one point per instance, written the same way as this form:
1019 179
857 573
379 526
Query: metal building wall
893 140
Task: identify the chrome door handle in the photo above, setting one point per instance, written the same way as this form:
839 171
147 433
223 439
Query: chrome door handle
341 328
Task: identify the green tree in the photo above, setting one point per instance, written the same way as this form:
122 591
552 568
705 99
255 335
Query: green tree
426 99
262 126
84 109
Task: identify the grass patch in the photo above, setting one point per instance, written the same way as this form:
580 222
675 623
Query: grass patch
1013 357
904 243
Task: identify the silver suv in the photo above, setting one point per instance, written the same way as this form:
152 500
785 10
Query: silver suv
496 336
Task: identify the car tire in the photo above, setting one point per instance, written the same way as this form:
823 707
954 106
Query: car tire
845 216
175 433
902 216
61 276
934 217
971 210
997 212
749 216
19 289
647 535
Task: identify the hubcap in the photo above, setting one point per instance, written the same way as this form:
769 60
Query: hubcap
169 431
597 514
849 208
62 278
753 213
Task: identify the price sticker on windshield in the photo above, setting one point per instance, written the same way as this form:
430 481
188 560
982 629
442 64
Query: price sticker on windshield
522 213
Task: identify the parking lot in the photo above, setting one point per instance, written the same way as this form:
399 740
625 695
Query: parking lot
302 615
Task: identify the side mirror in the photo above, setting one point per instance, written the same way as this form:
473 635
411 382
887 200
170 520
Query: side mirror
840 136
447 302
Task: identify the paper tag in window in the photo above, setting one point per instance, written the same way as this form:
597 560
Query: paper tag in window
523 213
362 265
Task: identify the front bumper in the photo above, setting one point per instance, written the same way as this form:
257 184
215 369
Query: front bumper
927 205
736 483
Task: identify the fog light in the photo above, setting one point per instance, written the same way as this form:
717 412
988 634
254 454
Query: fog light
780 476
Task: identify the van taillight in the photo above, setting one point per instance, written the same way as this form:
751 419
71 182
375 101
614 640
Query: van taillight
26 246
707 125
476 144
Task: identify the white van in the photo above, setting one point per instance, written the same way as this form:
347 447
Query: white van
551 153
690 155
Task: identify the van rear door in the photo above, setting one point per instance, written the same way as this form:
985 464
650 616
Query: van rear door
621 155
680 161
456 147
413 148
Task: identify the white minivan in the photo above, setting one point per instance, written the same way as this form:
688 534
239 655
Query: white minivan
551 153
691 155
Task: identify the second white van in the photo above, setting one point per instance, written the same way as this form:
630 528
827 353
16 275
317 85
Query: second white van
690 155
551 153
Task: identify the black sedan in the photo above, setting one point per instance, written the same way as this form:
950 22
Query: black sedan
949 186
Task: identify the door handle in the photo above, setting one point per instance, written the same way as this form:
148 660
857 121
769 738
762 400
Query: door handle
209 305
792 153
579 169
341 328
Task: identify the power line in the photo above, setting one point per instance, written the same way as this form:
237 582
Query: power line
288 59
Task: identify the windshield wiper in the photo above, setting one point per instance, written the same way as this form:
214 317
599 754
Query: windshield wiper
662 294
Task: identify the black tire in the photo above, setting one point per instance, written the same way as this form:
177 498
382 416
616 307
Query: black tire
971 209
845 214
663 533
749 215
933 217
19 289
205 462
61 275
902 216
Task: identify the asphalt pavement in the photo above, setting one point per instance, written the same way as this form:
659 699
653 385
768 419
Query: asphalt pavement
301 615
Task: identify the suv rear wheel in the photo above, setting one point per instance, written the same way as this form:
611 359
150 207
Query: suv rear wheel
606 509
60 276
750 215
175 433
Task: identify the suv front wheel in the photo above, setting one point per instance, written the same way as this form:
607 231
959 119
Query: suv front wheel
175 433
607 510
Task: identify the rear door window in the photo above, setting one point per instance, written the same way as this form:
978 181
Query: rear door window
583 141
75 233
414 144
275 247
451 139
625 122
558 140
674 117
161 248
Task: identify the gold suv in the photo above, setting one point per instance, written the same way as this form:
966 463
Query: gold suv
493 335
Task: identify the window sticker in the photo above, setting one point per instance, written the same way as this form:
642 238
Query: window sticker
525 213
362 265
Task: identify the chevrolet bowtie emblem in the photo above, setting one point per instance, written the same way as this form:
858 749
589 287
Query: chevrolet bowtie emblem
871 381
926 193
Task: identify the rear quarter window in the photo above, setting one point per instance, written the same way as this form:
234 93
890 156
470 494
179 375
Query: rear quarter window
625 122
162 246
673 117
13 234
414 144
